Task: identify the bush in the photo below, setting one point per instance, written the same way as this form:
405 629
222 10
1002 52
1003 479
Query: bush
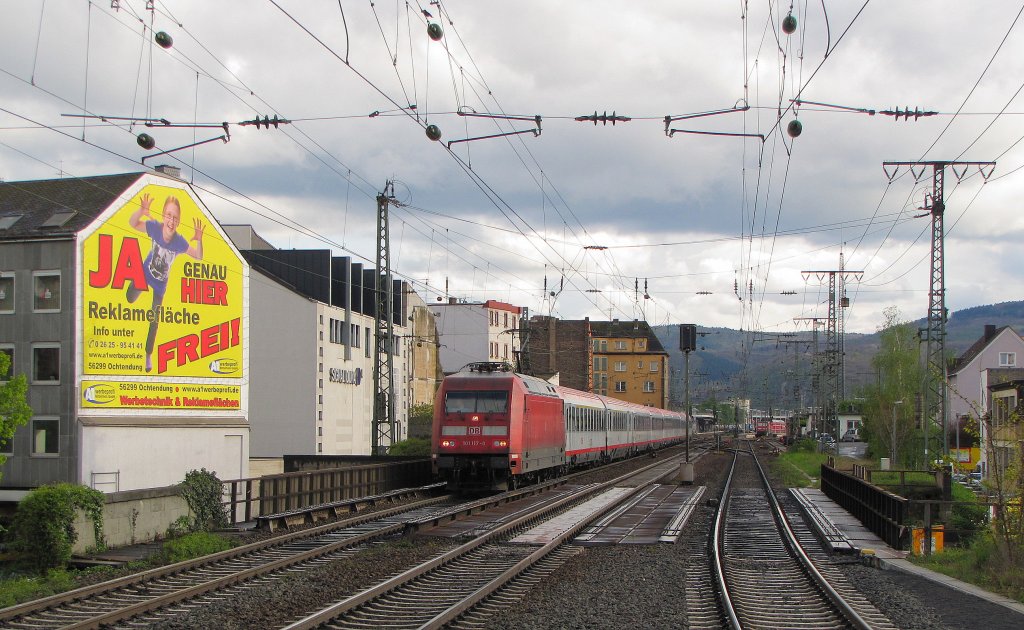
43 527
191 546
966 519
412 447
202 492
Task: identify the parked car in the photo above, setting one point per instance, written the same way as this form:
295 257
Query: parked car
827 440
850 436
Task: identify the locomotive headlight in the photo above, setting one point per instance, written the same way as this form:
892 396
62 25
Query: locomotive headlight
447 443
475 418
500 443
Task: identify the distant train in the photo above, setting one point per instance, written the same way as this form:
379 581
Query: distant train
495 429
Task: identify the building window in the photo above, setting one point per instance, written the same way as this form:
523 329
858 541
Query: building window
654 366
45 432
641 344
320 415
319 447
321 319
320 367
367 348
46 363
8 349
1002 408
648 386
620 366
46 291
600 364
603 383
7 292
320 383
320 399
639 365
506 320
320 431
620 345
505 351
1007 359
620 386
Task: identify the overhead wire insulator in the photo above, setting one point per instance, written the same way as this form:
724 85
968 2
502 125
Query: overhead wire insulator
794 128
906 113
434 31
267 121
603 118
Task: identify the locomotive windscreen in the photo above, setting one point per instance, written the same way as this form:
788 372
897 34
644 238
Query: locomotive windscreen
476 402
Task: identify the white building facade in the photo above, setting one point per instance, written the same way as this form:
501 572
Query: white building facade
477 331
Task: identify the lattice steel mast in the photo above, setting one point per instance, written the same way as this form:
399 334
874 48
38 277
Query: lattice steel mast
383 433
935 326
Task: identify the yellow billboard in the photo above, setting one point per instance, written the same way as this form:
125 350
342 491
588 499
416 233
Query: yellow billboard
152 395
162 292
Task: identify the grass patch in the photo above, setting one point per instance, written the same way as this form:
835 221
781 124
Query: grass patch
981 564
191 546
800 469
16 590
886 478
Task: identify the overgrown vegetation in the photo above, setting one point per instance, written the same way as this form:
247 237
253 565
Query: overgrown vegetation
14 409
190 546
202 491
43 530
419 447
22 589
982 564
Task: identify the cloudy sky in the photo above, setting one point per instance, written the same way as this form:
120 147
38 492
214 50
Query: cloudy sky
602 220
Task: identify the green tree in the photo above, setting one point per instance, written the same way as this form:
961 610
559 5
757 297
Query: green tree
14 410
421 418
889 403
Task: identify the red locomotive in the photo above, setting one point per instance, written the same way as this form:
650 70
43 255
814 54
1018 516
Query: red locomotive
495 429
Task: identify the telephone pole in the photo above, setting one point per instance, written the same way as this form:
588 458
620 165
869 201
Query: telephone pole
383 432
935 327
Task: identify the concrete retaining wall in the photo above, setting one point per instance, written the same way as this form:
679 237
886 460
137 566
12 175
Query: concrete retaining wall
133 516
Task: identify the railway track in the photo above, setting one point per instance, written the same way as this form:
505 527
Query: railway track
153 594
465 585
764 576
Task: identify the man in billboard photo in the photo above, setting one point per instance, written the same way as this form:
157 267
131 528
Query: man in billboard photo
167 244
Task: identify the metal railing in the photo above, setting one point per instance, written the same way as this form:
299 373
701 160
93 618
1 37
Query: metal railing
882 512
245 499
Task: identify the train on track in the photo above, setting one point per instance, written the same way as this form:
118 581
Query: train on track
495 429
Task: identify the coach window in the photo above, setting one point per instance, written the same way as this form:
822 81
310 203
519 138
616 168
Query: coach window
46 364
45 432
7 292
46 291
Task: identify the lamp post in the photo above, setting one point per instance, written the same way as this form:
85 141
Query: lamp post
892 445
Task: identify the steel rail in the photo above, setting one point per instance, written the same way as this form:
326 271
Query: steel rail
716 550
334 611
53 602
844 608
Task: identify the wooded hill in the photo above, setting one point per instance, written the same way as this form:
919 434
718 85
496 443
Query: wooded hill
778 366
